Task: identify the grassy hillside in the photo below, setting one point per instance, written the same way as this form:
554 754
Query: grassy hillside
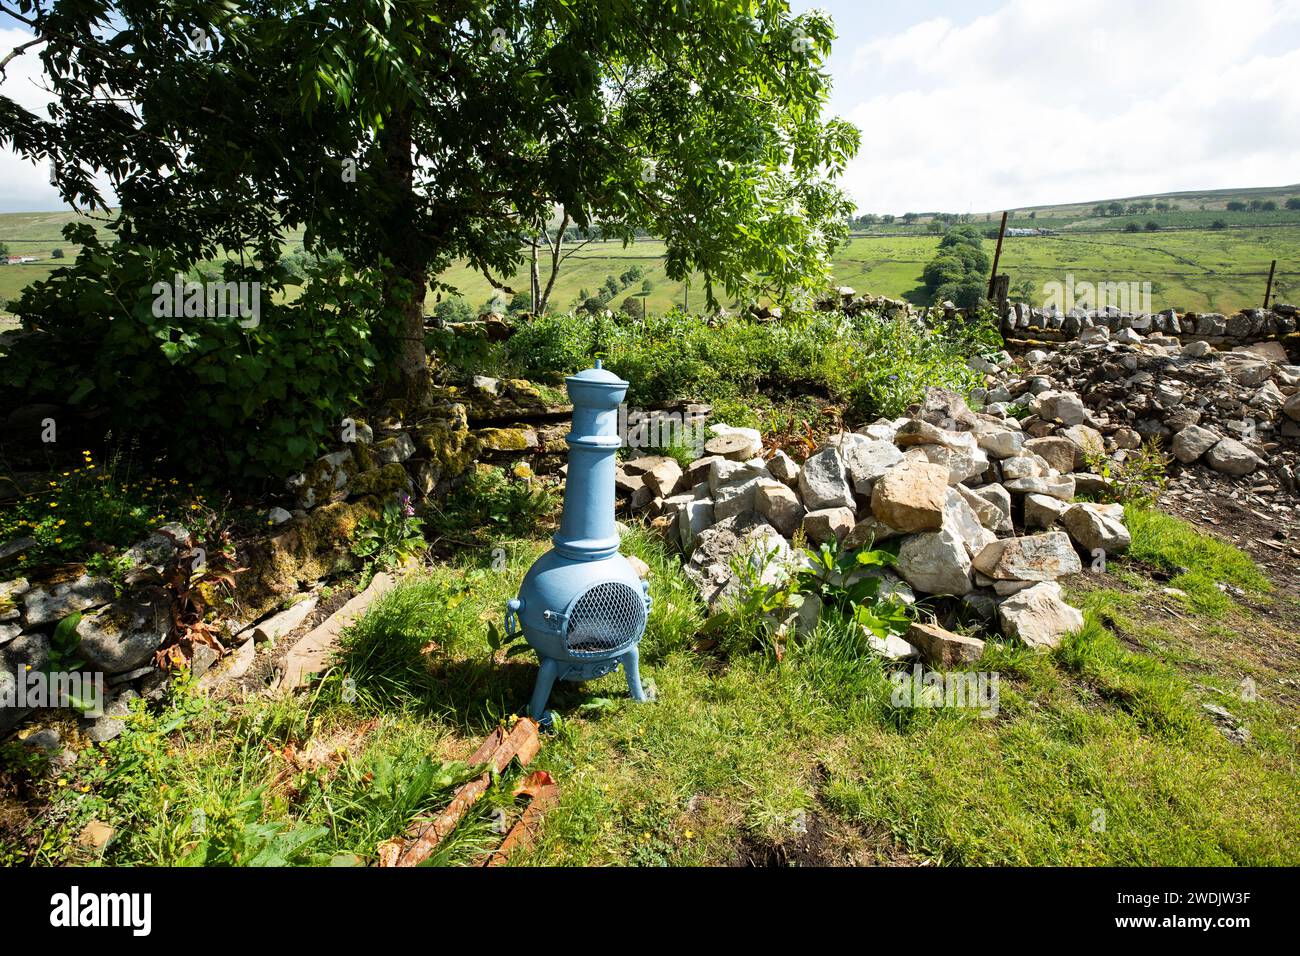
1204 209
1189 269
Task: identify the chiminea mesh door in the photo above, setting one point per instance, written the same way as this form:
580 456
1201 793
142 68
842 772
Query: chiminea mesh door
605 618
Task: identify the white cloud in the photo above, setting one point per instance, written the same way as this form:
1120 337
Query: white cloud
1039 103
24 186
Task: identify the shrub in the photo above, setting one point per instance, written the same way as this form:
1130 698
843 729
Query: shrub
958 270
254 402
453 309
876 366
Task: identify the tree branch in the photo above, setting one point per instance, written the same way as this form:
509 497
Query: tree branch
18 51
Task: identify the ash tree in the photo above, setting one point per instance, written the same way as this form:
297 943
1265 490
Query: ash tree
408 134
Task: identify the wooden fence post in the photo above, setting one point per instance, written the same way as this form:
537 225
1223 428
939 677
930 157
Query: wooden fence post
997 253
1002 294
1268 291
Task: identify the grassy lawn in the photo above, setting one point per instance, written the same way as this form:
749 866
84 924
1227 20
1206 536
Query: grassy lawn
1100 752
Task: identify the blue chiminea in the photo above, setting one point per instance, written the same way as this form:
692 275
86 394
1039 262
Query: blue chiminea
582 606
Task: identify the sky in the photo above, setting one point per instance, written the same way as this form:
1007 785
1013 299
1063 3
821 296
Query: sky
979 105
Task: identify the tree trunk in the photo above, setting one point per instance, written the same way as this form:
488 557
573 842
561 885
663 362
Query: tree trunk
534 285
407 283
555 262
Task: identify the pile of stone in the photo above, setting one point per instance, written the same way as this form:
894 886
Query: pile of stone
1234 413
119 634
982 510
1245 327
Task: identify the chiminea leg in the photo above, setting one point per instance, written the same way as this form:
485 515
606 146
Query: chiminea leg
632 670
546 675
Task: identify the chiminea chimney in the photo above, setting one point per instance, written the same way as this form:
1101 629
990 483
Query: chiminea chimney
582 606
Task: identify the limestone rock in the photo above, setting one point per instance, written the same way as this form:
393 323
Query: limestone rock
699 469
1028 465
1231 457
29 650
867 459
663 478
113 721
1058 451
1193 442
1039 616
1063 407
779 505
723 472
1001 442
747 537
1043 511
1096 526
824 483
783 468
944 408
1087 442
829 524
965 522
892 647
962 464
1000 498
1057 486
1038 557
694 517
936 562
943 649
732 499
52 603
282 622
126 634
911 496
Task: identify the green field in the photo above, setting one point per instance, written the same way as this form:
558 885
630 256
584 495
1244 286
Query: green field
1190 270
1200 209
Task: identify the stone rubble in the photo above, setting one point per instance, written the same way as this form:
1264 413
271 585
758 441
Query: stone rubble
981 507
1229 417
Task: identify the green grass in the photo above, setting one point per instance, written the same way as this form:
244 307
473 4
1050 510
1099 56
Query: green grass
1199 564
1099 754
1193 269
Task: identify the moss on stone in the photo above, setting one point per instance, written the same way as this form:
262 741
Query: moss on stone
323 477
308 549
447 443
364 456
506 439
384 481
